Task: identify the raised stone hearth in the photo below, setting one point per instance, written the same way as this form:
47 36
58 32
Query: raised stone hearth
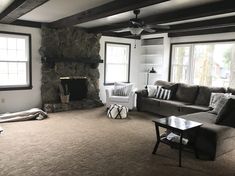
73 53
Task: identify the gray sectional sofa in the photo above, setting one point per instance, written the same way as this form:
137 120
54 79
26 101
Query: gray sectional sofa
191 102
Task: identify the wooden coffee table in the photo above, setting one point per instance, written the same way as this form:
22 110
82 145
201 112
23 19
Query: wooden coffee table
175 124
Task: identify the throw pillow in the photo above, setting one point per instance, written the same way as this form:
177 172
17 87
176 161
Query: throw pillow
120 91
227 114
164 94
129 86
219 105
215 98
152 90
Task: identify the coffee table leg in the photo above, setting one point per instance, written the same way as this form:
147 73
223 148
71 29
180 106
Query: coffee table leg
180 148
158 139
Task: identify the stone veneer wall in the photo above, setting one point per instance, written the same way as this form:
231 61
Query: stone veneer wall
68 43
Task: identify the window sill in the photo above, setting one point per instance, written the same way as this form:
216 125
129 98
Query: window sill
15 88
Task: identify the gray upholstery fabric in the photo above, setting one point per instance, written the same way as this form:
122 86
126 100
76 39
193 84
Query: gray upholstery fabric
231 90
227 114
143 93
204 94
186 93
194 108
212 139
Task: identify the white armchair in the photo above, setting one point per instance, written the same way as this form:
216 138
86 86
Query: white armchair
127 101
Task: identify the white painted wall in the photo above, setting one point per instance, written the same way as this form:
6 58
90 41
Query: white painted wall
11 101
135 60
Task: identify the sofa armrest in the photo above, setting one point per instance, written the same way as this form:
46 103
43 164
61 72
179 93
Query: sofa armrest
108 92
143 93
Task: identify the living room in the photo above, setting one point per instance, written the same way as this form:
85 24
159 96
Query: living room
99 87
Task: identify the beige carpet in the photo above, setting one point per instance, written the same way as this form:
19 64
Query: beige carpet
86 143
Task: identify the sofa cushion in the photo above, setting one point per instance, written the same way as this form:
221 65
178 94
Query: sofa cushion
231 90
168 85
194 108
204 94
227 114
119 98
186 93
173 103
171 107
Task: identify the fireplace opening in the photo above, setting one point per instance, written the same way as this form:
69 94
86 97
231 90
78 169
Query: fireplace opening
77 87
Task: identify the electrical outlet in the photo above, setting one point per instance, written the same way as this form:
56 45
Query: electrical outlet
2 100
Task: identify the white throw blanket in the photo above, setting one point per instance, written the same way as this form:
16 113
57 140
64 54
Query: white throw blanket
32 114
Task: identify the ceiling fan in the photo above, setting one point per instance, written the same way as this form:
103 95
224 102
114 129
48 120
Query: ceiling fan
137 26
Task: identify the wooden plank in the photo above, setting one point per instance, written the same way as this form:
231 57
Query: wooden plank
108 9
18 8
214 8
27 23
202 32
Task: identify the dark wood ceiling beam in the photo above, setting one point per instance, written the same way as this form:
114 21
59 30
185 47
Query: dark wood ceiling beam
108 9
121 35
206 24
224 23
216 8
27 23
18 8
202 32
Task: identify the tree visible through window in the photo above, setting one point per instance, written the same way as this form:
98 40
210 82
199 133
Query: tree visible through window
209 64
14 61
117 62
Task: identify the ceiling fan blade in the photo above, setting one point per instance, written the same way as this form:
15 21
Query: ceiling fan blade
136 23
158 26
148 29
122 30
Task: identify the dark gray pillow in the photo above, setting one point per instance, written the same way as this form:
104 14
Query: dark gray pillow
204 94
186 93
227 114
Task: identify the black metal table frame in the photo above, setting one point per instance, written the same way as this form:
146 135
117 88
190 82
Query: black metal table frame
181 133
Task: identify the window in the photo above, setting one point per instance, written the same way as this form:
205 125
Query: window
208 64
117 62
15 61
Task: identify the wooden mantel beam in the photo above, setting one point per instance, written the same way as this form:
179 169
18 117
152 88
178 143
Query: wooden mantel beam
105 10
18 8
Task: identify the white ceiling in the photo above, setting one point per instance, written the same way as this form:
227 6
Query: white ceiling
57 9
4 4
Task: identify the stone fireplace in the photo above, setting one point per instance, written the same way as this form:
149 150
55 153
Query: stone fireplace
70 57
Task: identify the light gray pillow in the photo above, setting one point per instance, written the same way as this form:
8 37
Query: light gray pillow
215 98
152 90
128 87
120 91
220 104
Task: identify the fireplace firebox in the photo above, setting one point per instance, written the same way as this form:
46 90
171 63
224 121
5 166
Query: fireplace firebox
77 87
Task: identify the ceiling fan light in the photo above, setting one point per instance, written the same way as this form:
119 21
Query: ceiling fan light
135 31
